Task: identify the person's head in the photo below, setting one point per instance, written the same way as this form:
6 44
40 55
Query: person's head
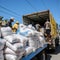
12 19
17 23
47 20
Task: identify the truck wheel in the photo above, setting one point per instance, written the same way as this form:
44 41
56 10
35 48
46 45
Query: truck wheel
57 41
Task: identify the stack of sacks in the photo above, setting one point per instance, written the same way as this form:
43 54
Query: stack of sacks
2 43
23 39
12 38
33 41
6 31
13 48
24 30
41 38
36 39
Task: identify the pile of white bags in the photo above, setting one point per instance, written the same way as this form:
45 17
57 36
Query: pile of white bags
36 39
41 39
24 30
18 45
6 31
33 42
10 57
22 39
16 50
12 38
14 47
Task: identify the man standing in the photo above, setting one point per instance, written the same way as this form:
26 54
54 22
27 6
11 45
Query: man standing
47 27
10 22
15 27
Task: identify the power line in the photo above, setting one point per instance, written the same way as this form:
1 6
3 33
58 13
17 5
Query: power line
31 5
8 13
9 10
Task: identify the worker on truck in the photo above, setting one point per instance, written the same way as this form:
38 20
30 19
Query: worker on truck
10 22
37 26
15 27
47 31
47 27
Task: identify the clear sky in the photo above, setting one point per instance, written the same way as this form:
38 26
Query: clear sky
18 8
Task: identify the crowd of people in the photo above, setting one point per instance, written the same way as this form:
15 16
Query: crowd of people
6 23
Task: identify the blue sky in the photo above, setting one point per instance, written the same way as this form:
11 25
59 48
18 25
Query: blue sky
22 7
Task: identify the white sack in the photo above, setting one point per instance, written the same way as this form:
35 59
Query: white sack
31 27
42 41
6 31
12 39
33 43
9 45
28 50
22 39
15 47
22 27
9 51
10 57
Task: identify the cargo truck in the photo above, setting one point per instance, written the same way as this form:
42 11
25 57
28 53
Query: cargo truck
41 17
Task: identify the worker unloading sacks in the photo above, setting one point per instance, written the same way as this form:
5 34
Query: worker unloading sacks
47 27
47 30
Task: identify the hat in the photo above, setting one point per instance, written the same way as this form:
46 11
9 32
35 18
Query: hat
17 22
12 18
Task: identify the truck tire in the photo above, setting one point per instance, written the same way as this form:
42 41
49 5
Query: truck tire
57 41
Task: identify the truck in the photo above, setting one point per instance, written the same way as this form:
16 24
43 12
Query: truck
41 17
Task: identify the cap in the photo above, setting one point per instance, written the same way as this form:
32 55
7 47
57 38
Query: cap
17 22
12 18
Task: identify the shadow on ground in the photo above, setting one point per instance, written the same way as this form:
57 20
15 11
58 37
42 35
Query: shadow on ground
57 51
50 53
